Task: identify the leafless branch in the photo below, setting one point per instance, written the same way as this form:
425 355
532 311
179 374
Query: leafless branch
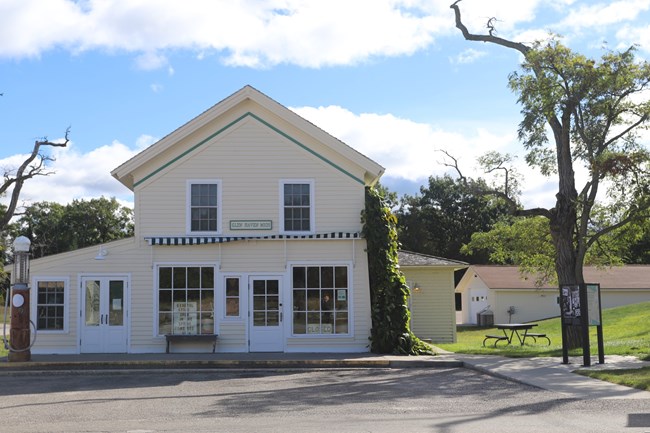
31 167
486 38
454 165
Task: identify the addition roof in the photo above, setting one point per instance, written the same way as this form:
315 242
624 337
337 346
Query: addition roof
409 259
124 173
616 277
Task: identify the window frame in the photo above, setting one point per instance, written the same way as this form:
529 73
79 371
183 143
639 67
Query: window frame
156 292
312 206
350 299
66 303
224 297
188 206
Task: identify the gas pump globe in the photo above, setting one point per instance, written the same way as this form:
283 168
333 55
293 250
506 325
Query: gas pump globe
19 335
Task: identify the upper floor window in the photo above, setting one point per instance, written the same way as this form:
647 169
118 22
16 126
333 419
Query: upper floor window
297 206
203 206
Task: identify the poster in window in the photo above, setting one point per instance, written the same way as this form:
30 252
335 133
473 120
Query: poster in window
185 318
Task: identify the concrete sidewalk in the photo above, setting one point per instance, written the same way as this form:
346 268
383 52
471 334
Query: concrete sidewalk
545 373
550 374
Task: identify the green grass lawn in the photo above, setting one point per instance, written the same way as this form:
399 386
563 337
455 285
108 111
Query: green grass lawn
635 378
626 331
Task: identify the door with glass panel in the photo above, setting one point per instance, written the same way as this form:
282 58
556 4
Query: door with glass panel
103 315
266 315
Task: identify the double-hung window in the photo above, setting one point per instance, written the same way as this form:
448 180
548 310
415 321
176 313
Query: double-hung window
51 305
203 206
297 206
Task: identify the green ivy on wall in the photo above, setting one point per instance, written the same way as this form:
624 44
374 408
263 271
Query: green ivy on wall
389 293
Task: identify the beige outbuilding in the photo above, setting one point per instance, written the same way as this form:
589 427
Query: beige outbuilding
512 297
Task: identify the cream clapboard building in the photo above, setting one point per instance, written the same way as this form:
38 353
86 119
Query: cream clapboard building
512 297
247 225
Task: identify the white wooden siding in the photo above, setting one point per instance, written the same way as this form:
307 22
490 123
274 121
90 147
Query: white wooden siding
243 258
250 161
432 308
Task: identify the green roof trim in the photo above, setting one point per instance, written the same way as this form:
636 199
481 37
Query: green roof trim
234 122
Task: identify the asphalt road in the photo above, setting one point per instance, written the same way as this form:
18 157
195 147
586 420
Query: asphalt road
408 401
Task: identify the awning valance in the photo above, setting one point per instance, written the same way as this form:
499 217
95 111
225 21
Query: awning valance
202 240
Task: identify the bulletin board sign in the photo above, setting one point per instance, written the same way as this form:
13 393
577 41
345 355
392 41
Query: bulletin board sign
570 304
593 304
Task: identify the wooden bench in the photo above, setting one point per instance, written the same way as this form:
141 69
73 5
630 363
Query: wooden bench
535 336
212 338
497 338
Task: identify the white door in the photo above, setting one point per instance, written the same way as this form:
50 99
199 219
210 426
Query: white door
477 303
265 315
103 315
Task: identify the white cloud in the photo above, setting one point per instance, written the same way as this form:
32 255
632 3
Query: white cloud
150 61
253 33
604 14
410 151
76 175
629 35
470 55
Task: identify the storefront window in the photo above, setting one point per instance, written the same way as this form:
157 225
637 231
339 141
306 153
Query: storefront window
185 300
320 300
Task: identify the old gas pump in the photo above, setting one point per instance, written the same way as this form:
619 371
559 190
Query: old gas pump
19 335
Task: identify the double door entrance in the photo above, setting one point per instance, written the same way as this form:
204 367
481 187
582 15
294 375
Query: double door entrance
104 314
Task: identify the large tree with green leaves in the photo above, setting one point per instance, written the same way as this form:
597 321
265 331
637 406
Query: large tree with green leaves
442 218
588 113
55 228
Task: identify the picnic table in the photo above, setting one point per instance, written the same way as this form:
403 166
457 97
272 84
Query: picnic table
515 329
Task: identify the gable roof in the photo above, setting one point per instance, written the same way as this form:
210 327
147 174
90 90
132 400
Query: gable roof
410 259
373 171
617 277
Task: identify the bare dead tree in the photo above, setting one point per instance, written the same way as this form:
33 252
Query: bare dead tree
34 165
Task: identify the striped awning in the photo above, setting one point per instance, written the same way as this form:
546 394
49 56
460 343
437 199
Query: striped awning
202 240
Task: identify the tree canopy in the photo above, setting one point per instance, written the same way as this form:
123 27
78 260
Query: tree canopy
582 114
445 214
55 228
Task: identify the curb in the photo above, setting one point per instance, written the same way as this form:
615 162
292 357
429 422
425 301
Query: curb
221 365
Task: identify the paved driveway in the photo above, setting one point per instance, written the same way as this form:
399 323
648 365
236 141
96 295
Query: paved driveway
374 400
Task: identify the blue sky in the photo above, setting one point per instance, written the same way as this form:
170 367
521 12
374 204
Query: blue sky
392 78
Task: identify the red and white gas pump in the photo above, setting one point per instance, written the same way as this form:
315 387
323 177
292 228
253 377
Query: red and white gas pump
19 335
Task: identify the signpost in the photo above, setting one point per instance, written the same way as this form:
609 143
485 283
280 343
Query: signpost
580 307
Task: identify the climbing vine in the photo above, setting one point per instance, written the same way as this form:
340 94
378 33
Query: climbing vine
389 293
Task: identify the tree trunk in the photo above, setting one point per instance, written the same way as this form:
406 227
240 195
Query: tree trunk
568 264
